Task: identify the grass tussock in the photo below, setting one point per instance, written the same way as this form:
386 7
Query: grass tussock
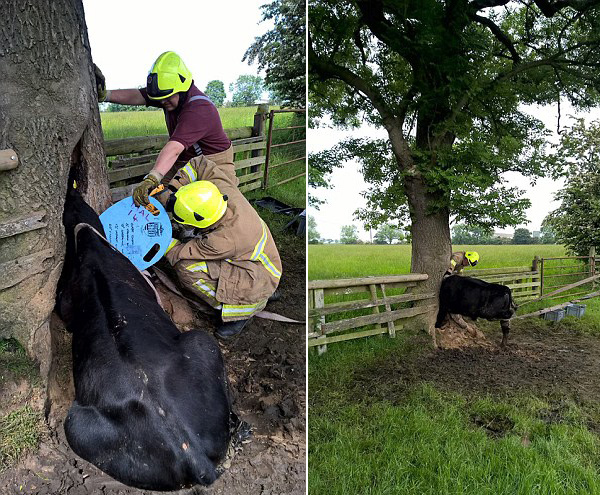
20 432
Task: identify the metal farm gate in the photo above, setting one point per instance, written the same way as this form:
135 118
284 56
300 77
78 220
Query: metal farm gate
286 151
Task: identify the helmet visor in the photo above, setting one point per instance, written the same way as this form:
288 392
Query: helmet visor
154 92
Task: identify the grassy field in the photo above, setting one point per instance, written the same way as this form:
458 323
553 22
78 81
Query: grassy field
117 125
347 261
373 430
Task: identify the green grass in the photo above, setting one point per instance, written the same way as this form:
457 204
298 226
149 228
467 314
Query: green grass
427 441
349 261
20 432
116 125
15 364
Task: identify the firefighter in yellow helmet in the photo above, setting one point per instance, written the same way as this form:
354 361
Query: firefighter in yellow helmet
193 122
460 259
226 255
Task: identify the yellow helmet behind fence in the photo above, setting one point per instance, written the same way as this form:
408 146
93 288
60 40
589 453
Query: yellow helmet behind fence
472 256
167 76
199 204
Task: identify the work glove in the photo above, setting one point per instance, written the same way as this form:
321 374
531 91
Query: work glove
100 83
140 193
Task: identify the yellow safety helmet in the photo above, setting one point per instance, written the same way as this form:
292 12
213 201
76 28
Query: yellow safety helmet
167 76
472 256
199 204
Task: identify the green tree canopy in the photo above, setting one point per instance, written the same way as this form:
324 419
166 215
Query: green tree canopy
313 234
547 235
449 81
246 90
576 222
215 90
349 234
388 233
522 236
281 51
467 234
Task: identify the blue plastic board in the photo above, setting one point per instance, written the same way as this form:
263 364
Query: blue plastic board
136 232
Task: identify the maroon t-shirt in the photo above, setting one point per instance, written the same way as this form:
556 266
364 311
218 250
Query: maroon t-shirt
195 124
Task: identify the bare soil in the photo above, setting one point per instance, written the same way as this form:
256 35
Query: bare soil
540 360
266 367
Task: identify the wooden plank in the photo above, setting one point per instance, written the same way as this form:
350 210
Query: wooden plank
16 271
130 172
250 187
113 147
250 177
521 286
119 193
351 282
511 276
249 162
358 289
373 294
137 144
390 325
319 303
22 223
491 271
8 160
361 321
354 305
323 341
259 145
251 139
133 160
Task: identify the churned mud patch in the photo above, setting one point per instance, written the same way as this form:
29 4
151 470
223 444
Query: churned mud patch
266 368
540 360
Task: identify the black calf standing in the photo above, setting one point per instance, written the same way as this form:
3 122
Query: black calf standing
475 298
151 406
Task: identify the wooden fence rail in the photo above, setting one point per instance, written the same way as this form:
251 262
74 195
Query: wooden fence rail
328 315
130 159
524 281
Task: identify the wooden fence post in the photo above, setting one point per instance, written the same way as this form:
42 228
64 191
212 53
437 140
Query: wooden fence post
593 264
258 129
534 268
320 303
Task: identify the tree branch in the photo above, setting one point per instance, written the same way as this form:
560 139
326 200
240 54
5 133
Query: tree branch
498 33
549 7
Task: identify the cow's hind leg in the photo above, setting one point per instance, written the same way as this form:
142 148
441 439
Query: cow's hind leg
505 325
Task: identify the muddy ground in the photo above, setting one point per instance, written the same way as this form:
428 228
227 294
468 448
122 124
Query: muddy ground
551 361
266 367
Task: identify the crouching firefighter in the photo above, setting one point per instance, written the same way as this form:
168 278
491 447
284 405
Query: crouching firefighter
460 260
224 253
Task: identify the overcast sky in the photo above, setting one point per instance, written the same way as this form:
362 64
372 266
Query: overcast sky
348 182
211 37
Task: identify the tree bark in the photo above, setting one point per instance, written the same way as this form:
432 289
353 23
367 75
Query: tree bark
49 116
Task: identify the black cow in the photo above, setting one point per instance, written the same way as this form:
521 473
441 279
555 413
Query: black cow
151 407
475 298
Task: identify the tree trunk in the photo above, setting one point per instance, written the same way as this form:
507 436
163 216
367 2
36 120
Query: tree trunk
431 243
49 117
430 229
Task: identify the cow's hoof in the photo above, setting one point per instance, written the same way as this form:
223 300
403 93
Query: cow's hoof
231 329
